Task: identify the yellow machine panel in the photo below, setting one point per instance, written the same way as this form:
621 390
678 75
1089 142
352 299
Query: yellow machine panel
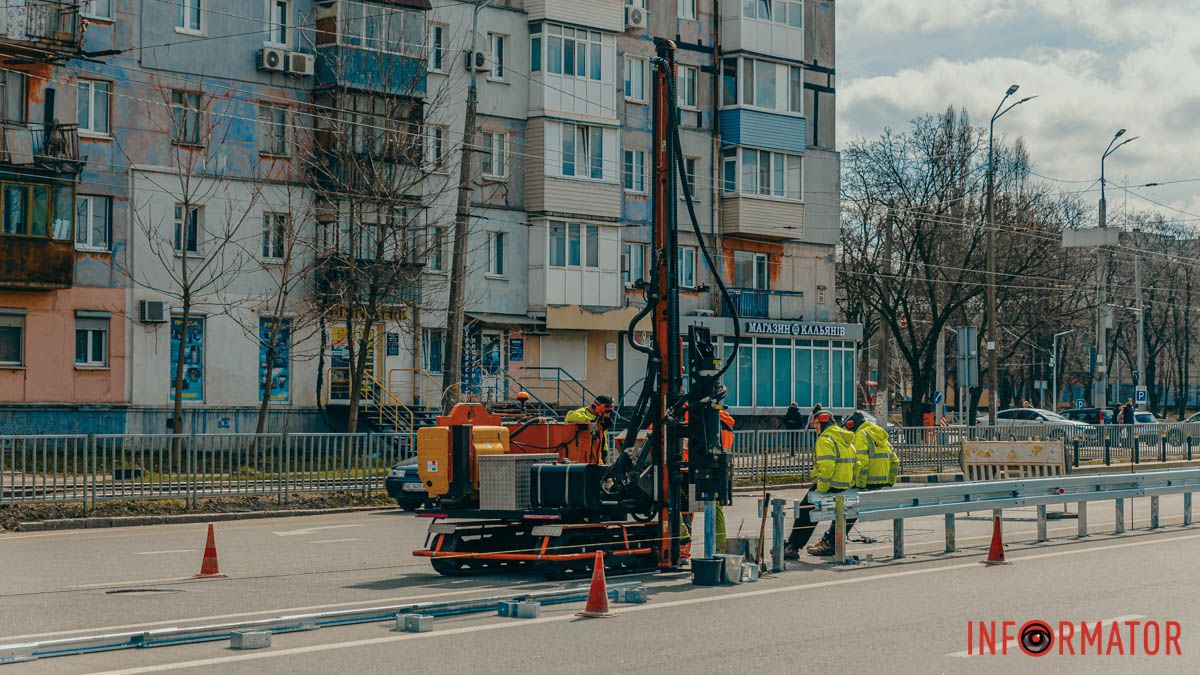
433 459
487 441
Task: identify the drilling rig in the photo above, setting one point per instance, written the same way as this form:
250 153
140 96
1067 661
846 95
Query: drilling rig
539 493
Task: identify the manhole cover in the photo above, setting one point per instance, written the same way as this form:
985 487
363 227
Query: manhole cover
142 591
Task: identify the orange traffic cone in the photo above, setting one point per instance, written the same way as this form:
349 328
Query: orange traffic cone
597 602
209 567
996 552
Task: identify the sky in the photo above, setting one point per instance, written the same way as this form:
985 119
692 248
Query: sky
1096 66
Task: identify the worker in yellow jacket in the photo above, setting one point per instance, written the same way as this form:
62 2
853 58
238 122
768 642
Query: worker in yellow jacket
878 462
835 468
599 418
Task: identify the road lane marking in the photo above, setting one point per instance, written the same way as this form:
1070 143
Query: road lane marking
331 541
964 654
177 550
309 649
311 530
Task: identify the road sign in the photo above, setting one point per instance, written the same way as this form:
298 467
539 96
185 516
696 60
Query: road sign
968 357
937 397
1040 384
1079 403
1140 395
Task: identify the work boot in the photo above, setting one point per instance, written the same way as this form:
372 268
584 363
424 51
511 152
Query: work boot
821 548
790 553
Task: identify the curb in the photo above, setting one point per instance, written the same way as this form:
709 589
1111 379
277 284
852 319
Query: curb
183 518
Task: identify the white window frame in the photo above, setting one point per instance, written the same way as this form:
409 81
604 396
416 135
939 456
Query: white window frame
497 264
195 220
87 127
587 43
783 85
635 253
744 187
15 320
692 163
435 253
498 54
96 329
687 9
89 10
274 236
435 147
687 82
686 274
575 241
186 11
86 208
352 28
190 117
635 64
437 47
582 162
273 133
752 9
495 143
760 270
633 171
274 24
425 351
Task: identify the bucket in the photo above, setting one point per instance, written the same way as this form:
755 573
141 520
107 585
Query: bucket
733 568
707 571
749 572
747 547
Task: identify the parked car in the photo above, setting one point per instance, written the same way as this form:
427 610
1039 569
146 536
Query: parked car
1194 418
1089 415
1036 416
404 484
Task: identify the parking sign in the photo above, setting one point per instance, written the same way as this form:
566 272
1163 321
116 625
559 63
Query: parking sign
1079 403
1140 395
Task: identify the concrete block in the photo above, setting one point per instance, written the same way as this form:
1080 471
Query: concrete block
250 639
528 610
633 596
31 526
414 623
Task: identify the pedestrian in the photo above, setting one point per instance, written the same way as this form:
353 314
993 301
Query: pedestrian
878 464
835 467
1129 419
793 419
1026 404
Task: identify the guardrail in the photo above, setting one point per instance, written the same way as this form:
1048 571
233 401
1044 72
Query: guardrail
100 467
949 499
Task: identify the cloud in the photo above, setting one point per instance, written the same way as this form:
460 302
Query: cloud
1095 65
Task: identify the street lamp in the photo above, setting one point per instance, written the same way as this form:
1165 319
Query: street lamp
1101 391
1108 151
1054 366
993 375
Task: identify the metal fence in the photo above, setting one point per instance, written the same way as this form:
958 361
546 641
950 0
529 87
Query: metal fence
92 468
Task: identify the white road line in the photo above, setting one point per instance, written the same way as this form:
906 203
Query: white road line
135 582
178 550
331 541
200 663
965 654
311 530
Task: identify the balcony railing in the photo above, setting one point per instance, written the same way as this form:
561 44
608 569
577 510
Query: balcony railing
34 145
753 303
46 23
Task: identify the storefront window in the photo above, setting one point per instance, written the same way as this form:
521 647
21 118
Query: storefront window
783 374
764 359
836 399
745 369
848 378
820 374
804 374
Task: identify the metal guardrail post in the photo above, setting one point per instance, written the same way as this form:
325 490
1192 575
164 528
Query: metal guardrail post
839 533
777 524
951 544
1107 448
1154 512
368 445
898 538
280 450
1041 523
1075 459
89 487
1162 448
1187 508
1082 509
1189 447
1137 445
1119 525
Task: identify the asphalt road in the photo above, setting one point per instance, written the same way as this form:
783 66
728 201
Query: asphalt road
62 583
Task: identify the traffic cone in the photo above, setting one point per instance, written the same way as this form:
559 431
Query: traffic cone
996 552
208 566
597 602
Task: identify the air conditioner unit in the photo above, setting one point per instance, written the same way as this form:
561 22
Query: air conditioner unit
272 59
702 312
154 311
635 17
300 64
479 61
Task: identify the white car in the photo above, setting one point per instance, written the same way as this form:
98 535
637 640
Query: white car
1034 416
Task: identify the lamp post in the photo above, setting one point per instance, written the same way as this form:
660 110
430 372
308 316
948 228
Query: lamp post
1102 312
993 375
1054 366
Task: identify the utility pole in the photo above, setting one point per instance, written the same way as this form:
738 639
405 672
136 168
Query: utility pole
1102 308
939 408
1141 336
883 355
453 363
1054 367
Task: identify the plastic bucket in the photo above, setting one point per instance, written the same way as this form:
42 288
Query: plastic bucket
707 571
733 568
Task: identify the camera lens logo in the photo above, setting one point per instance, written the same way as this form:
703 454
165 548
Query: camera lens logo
1036 638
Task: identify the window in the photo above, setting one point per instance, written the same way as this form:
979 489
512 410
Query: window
772 174
751 270
98 9
436 151
635 258
765 84
576 52
93 216
689 175
686 85
188 16
274 235
635 79
535 49
91 340
795 89
687 9
436 250
558 244
787 12
583 151
185 117
377 27
498 43
274 355
496 245
277 21
495 154
272 130
12 337
12 96
437 47
187 229
574 245
193 358
432 349
591 246
634 171
686 267
92 101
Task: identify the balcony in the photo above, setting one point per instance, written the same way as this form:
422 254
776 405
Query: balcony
36 263
762 217
763 129
42 25
372 47
753 303
54 149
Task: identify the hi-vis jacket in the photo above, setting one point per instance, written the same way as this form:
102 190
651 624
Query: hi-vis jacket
878 462
836 462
